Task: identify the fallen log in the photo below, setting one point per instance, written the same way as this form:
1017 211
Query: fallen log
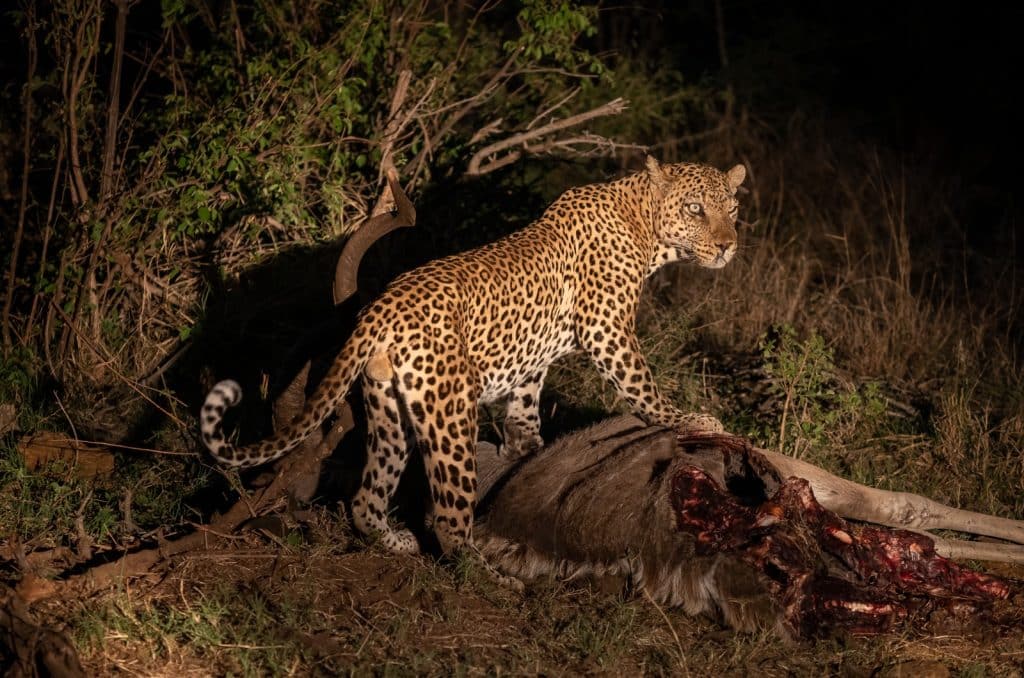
28 648
714 525
47 447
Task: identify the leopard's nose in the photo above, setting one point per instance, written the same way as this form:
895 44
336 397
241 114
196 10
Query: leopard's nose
724 246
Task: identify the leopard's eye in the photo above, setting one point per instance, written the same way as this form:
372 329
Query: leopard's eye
695 208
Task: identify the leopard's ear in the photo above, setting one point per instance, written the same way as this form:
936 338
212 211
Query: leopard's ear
735 177
658 176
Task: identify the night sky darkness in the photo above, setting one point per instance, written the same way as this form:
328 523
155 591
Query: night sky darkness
936 81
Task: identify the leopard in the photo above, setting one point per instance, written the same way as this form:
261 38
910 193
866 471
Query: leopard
485 325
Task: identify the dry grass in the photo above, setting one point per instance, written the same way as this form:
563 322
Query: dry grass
367 613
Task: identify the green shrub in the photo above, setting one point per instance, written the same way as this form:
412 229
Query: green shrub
817 409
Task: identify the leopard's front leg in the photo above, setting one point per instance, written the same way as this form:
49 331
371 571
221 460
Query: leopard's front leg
522 418
612 344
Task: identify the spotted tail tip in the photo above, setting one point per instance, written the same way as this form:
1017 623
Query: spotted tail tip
224 395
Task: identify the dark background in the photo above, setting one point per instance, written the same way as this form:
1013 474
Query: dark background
936 82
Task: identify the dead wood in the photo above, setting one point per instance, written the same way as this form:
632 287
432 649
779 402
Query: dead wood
29 649
297 474
906 510
539 140
294 471
392 130
46 447
286 408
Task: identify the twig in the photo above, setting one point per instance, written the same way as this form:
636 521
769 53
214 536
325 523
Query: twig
476 167
231 554
74 433
668 622
165 365
126 509
486 131
83 542
597 141
12 276
392 130
47 232
114 102
569 143
75 72
461 108
789 396
554 107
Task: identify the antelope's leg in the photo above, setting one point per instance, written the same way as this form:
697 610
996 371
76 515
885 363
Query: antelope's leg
959 549
895 509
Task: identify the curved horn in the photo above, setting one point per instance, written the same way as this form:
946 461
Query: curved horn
347 271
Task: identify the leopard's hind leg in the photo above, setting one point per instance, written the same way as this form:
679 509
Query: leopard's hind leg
444 419
386 458
442 403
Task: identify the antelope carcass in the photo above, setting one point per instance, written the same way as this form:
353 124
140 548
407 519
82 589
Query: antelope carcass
710 523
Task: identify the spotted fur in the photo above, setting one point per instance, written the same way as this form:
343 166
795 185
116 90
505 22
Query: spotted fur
485 325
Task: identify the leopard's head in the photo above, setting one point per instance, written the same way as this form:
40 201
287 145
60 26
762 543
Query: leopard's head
696 209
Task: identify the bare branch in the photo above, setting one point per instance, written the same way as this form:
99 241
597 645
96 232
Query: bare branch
77 66
486 131
598 145
462 108
55 184
894 509
554 107
12 278
489 153
83 542
394 126
114 102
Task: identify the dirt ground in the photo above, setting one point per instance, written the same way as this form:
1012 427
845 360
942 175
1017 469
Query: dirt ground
341 606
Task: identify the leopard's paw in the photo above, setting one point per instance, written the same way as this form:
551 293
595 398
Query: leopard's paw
701 423
400 542
519 442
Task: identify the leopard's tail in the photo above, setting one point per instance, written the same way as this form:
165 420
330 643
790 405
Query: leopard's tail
324 401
